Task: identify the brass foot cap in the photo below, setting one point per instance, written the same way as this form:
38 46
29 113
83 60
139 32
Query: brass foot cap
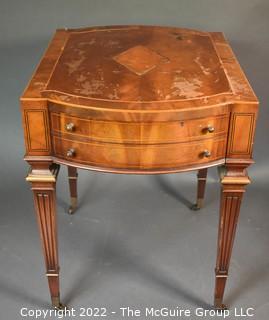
71 210
61 306
56 303
195 207
198 205
73 206
221 307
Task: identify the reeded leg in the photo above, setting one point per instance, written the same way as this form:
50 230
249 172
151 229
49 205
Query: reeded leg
201 176
233 187
43 183
72 177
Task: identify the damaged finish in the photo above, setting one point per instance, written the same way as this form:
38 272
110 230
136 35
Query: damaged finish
141 68
151 64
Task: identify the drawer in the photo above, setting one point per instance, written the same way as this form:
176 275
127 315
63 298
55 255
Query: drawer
132 156
137 132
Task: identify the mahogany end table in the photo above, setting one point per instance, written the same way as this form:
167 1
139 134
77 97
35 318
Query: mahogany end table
138 100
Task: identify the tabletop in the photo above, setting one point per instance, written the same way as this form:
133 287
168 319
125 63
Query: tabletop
139 68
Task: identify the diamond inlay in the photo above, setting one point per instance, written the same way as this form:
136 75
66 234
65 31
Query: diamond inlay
139 59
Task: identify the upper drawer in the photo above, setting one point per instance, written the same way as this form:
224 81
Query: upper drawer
139 132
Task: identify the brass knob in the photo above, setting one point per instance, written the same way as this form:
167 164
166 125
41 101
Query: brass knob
70 153
210 128
70 126
206 154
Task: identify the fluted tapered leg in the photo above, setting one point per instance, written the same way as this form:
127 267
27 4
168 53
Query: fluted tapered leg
201 177
72 177
233 188
43 185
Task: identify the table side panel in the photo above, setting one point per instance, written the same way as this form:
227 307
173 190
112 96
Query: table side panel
36 126
241 131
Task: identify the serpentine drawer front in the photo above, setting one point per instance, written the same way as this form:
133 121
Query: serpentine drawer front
139 145
138 100
135 156
137 132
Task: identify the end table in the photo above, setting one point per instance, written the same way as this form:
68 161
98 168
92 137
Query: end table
138 100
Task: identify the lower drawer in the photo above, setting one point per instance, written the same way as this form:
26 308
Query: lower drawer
153 156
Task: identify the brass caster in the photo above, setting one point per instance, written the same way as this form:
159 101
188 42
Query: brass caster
61 307
71 210
57 304
195 207
219 305
198 205
73 206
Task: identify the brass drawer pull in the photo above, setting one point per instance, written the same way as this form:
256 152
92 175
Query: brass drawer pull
206 153
210 128
70 126
70 153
